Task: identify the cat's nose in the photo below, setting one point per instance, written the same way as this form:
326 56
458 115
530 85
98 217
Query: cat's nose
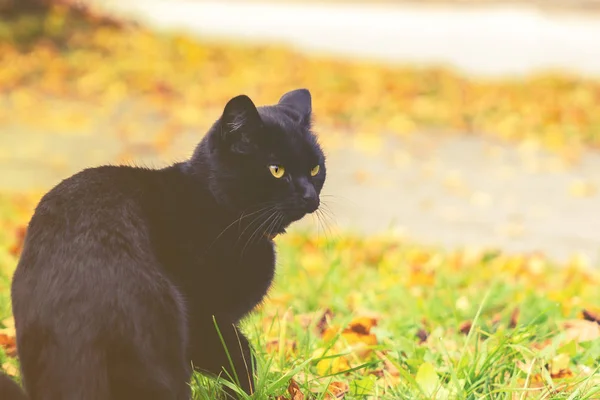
310 198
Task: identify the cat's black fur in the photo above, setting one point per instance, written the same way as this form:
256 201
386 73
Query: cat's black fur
124 268
9 390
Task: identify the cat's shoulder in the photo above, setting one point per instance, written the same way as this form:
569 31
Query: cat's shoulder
104 179
99 185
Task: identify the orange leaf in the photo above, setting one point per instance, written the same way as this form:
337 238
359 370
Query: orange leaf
337 390
361 325
294 392
9 344
16 248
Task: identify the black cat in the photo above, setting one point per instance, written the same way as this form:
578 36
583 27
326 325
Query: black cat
124 268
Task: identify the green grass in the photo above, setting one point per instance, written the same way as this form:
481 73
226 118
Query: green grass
407 289
384 295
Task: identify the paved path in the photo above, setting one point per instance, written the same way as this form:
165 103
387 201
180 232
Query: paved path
510 39
453 191
457 191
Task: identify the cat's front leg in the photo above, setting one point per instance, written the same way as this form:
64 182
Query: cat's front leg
209 355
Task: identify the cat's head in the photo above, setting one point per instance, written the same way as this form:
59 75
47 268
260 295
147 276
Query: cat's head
266 160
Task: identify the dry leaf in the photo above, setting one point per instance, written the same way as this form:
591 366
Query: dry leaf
559 367
388 366
337 390
9 344
465 327
581 330
273 346
332 365
591 316
514 318
496 319
361 325
324 321
16 248
294 392
422 335
10 369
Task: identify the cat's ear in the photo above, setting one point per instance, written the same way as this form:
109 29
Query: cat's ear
300 100
240 122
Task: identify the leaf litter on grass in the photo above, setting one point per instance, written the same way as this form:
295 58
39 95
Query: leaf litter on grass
382 317
533 336
350 317
76 68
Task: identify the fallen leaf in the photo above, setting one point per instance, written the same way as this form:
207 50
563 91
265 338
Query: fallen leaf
581 330
496 319
9 344
388 366
294 392
420 277
337 390
16 248
514 318
9 323
361 325
422 335
273 346
10 369
324 321
332 365
560 365
591 316
465 327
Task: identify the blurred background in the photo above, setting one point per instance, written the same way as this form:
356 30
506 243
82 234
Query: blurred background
455 123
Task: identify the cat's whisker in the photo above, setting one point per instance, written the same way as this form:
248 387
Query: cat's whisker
339 200
335 196
315 219
323 223
326 209
274 225
257 219
327 219
243 216
267 231
320 227
257 230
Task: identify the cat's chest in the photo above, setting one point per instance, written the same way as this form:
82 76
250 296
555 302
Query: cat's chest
232 280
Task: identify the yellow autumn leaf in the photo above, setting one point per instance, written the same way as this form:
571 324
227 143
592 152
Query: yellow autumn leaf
332 365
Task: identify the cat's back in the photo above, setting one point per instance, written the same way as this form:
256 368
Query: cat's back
94 197
90 300
84 225
93 191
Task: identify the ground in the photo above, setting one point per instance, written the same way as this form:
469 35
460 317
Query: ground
460 163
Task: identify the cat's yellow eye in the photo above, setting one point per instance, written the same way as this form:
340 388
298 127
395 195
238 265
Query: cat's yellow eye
315 170
277 170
